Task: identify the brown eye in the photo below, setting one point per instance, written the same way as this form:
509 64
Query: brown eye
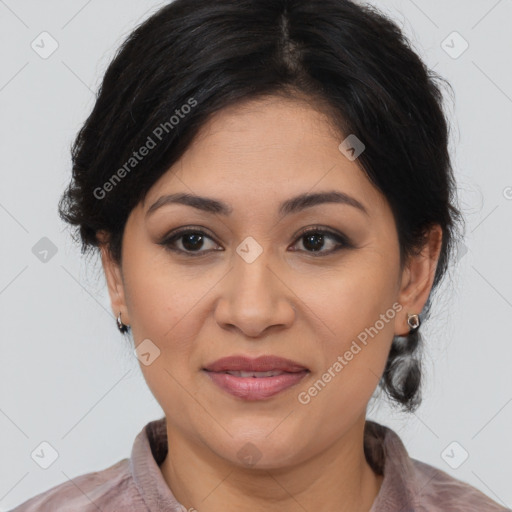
189 242
314 240
192 241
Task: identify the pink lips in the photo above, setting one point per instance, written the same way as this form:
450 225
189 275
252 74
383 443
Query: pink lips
255 387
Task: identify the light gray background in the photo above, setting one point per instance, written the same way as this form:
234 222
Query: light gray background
66 375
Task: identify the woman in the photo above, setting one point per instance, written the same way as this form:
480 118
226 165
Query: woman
269 186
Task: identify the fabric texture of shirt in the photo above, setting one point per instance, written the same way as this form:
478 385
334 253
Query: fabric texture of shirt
137 484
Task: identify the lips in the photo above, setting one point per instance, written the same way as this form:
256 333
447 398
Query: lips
255 379
242 366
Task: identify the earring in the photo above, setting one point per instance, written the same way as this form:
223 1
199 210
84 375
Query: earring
122 327
414 322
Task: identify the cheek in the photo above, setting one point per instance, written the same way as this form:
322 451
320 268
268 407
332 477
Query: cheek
354 308
160 295
165 307
352 297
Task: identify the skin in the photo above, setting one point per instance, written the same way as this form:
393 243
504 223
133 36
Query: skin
287 302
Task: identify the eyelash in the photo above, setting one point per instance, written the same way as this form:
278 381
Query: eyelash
169 240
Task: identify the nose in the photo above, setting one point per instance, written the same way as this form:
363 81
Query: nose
254 297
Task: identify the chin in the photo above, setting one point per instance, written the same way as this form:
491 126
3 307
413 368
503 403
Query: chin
259 452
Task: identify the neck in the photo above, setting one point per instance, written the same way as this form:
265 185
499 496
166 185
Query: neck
339 478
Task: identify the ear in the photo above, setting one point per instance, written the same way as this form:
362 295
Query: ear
114 278
417 278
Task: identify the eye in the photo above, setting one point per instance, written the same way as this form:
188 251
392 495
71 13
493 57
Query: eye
189 241
314 239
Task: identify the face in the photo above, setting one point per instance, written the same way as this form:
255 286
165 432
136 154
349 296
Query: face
202 283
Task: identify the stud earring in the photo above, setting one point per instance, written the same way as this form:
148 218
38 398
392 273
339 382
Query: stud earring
414 322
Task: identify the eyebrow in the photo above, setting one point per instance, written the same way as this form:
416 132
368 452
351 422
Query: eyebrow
290 206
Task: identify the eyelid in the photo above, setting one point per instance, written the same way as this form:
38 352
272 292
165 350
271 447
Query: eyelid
188 229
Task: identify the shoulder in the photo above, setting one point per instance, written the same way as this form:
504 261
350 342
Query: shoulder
412 485
110 489
436 490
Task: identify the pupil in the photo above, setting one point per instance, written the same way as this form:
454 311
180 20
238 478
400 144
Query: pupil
190 241
314 246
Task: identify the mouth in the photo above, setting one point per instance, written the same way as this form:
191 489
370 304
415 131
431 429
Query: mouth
255 379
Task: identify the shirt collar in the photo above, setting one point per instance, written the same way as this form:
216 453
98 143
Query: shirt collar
384 451
148 452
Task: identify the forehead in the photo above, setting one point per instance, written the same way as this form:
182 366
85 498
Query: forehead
266 150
